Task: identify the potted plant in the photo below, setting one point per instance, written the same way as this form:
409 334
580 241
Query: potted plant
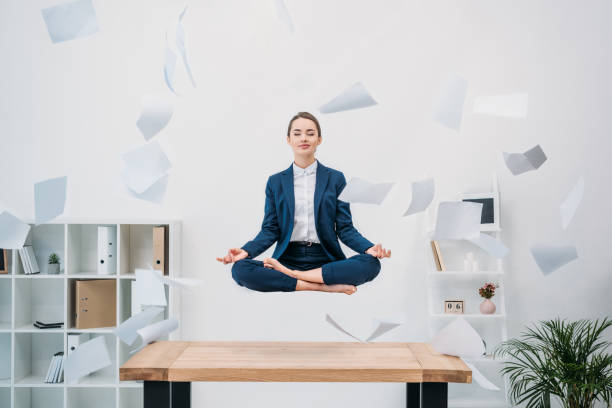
487 291
564 359
53 267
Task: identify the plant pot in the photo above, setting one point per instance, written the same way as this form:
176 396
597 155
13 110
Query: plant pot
487 307
52 269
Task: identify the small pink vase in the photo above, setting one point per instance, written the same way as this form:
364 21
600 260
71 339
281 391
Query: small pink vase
487 307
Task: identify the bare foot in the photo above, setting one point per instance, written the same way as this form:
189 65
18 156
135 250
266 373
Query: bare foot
275 264
348 289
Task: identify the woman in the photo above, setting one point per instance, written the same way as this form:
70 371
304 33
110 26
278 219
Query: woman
303 213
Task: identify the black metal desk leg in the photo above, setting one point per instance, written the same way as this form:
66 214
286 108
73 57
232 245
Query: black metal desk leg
165 394
427 395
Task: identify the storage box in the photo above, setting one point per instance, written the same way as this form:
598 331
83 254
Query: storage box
95 303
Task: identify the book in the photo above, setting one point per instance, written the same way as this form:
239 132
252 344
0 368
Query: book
55 372
32 258
22 256
437 254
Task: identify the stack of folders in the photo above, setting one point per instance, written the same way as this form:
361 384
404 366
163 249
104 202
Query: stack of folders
41 325
28 260
55 373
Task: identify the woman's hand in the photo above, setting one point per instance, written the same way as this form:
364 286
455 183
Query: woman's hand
378 251
233 255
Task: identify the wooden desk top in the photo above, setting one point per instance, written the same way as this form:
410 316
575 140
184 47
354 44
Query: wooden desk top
293 362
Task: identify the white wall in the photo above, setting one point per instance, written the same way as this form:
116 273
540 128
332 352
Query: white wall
70 109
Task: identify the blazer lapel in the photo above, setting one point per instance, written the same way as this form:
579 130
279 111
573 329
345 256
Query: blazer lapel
321 183
287 183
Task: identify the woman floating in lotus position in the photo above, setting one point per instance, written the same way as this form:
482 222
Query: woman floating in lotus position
303 213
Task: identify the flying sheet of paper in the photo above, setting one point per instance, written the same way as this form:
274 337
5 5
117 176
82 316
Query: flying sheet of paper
572 201
551 257
70 20
361 191
89 357
380 327
422 195
458 220
448 107
156 112
283 14
170 57
150 289
49 199
127 331
490 244
510 105
519 163
480 379
458 338
13 232
144 166
155 331
154 194
354 97
183 283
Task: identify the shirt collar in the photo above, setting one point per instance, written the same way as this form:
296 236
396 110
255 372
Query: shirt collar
298 171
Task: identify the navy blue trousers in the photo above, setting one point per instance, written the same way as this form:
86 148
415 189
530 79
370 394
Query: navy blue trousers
355 270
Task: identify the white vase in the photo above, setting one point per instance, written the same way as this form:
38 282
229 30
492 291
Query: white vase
53 269
487 307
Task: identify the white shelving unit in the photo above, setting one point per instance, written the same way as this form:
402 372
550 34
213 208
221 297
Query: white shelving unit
456 284
26 351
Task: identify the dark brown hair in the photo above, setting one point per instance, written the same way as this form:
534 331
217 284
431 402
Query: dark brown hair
304 115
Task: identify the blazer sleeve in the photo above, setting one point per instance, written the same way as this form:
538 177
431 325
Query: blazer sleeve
344 224
270 231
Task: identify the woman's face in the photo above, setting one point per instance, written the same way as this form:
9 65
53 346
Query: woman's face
303 137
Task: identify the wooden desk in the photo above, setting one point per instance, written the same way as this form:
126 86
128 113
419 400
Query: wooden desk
169 367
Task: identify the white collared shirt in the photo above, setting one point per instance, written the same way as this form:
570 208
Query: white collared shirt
304 181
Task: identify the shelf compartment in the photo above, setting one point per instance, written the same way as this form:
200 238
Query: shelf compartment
38 299
95 397
82 251
45 239
106 377
33 354
5 359
135 247
39 398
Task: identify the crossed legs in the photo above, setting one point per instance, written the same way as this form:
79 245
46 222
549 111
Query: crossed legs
338 276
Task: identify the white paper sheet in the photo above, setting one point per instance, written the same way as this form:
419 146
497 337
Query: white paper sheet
156 112
144 166
354 97
361 191
183 283
89 357
283 14
422 194
170 56
458 338
181 45
154 194
13 231
448 107
150 289
572 201
169 68
127 331
70 20
458 220
509 105
380 327
519 163
49 199
154 331
480 379
490 244
551 257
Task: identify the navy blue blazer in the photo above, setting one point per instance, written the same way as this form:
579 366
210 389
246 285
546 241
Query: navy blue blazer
332 216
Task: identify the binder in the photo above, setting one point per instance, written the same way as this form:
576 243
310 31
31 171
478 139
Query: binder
160 248
3 261
75 340
107 250
95 303
27 269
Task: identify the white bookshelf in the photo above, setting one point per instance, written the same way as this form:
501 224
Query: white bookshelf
456 284
26 351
